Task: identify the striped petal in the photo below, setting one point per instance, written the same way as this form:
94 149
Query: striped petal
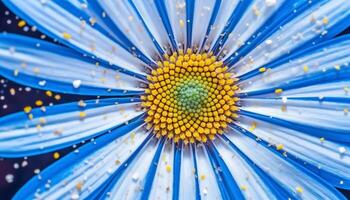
320 22
121 18
79 174
327 158
162 187
292 177
135 181
305 64
47 66
71 26
258 14
319 118
47 129
249 181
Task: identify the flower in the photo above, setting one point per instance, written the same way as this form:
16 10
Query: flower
201 99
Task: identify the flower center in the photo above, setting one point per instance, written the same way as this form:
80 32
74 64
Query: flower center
190 97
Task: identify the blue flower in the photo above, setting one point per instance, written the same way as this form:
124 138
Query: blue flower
211 99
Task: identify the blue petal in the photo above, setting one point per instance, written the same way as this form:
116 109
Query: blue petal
70 26
147 12
324 156
187 181
134 181
227 183
81 172
318 23
162 187
208 185
259 13
248 177
63 125
303 64
128 31
43 65
221 13
291 176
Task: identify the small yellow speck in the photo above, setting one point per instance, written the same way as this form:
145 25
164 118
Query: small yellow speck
56 155
337 67
202 177
243 187
58 97
82 114
48 93
278 91
346 111
322 139
182 23
262 69
30 116
66 36
299 189
168 168
279 147
39 103
21 23
79 185
27 109
306 68
325 20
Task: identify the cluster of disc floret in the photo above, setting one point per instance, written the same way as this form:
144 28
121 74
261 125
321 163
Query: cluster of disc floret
190 97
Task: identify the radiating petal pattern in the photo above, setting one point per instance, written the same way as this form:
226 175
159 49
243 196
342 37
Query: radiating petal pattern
133 182
69 25
295 179
82 172
47 129
315 24
324 57
252 186
319 118
47 66
162 187
327 158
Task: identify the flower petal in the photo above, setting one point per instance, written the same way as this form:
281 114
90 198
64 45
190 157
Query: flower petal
322 21
323 118
326 56
47 129
252 184
81 172
327 158
218 22
291 176
43 65
188 189
136 179
162 187
129 32
258 14
70 26
208 185
148 12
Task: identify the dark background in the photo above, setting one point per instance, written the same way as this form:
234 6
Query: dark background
15 172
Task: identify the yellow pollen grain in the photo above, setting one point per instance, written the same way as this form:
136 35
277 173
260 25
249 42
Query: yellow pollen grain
299 189
262 69
168 168
66 35
190 116
27 109
278 91
39 103
21 23
56 155
279 147
48 93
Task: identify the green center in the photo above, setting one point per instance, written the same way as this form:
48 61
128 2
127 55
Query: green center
191 95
